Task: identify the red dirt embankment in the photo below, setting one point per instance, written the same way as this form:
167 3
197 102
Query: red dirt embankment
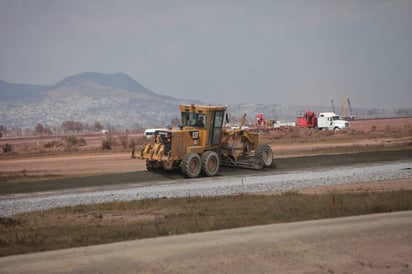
387 133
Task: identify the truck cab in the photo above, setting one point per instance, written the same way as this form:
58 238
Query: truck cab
207 120
331 121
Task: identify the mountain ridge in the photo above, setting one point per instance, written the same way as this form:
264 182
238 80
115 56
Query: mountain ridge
114 80
110 98
116 99
13 91
117 80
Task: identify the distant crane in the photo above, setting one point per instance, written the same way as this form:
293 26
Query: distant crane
344 113
333 105
352 117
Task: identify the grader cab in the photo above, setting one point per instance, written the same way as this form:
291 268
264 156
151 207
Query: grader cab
202 145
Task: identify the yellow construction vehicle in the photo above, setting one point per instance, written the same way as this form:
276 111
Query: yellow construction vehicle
202 144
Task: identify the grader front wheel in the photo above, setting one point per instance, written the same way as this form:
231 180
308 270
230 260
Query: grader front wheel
191 165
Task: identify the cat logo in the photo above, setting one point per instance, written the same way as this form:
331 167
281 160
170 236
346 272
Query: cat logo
195 137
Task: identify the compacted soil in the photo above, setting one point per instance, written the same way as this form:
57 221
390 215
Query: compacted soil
380 243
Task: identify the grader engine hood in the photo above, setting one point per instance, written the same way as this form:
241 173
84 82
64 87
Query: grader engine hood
171 144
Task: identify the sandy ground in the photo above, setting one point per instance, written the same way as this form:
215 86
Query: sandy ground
102 163
365 244
107 162
379 124
91 164
379 243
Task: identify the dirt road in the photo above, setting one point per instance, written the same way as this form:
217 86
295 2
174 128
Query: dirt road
366 244
380 243
119 177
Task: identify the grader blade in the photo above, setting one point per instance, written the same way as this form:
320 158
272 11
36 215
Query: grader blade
248 162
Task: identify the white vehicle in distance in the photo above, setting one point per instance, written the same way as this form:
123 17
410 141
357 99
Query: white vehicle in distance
331 121
237 127
150 132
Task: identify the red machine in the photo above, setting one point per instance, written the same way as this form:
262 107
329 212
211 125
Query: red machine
308 119
260 121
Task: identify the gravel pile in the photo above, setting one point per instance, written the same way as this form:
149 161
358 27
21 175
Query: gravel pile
20 203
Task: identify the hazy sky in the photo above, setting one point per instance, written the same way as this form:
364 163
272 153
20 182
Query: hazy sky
282 52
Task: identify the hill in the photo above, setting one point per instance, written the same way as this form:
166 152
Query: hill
11 92
115 99
111 99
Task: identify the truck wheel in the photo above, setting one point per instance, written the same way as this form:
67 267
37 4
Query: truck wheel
336 129
264 153
210 163
191 165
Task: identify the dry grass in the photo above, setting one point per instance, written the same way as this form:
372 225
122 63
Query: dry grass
103 223
300 135
123 141
34 146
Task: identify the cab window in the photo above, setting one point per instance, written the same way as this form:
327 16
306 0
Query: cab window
191 119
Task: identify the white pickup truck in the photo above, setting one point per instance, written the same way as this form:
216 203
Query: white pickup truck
330 120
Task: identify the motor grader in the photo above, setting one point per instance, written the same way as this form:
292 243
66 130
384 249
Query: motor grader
202 144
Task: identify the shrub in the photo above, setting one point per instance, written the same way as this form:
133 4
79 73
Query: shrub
72 142
132 142
141 140
107 142
7 148
124 139
53 144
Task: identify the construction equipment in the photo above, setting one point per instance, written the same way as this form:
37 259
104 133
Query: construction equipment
344 113
202 144
307 119
351 117
330 120
261 122
325 120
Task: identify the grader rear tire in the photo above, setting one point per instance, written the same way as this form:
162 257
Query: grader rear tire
264 153
191 165
210 163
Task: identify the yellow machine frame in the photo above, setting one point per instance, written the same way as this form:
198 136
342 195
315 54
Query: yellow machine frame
202 131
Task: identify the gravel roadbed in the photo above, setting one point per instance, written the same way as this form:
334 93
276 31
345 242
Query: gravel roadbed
20 203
